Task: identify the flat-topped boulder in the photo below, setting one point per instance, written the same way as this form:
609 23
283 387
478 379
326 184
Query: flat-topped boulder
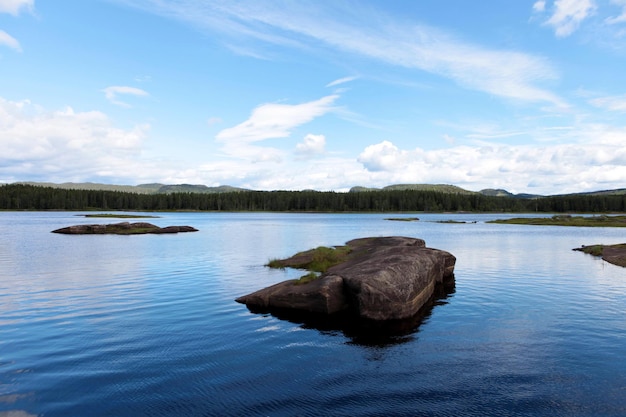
383 278
123 228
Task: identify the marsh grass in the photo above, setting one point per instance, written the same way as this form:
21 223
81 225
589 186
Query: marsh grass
276 263
595 250
568 220
120 216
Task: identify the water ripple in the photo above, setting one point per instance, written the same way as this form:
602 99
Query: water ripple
148 325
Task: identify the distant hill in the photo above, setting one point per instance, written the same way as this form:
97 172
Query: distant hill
190 188
442 188
498 192
446 188
619 191
153 188
141 189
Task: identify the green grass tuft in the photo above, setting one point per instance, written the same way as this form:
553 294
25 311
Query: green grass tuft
305 279
315 260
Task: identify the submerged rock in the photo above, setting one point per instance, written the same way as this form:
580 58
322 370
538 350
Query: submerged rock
123 228
385 278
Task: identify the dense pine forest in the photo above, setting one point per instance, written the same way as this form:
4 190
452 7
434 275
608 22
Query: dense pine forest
30 197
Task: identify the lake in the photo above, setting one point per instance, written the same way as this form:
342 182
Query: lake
147 325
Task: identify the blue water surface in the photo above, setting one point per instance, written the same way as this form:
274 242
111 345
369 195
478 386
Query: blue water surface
147 325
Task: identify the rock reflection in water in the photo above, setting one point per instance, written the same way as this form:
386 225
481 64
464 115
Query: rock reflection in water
367 332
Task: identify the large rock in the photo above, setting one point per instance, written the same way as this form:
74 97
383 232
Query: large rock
383 278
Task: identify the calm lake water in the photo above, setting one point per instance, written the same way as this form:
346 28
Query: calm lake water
146 325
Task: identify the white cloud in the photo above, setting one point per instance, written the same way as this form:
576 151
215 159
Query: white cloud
8 40
213 121
312 145
614 103
65 143
276 120
621 18
384 156
369 33
341 81
112 93
539 6
270 121
568 15
15 6
597 160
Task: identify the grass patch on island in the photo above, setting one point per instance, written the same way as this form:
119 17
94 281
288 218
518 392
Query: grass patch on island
568 220
305 279
314 260
120 216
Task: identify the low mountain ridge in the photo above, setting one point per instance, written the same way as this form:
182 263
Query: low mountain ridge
442 188
158 188
152 188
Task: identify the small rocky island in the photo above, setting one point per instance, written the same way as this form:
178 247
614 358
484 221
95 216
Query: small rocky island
123 228
379 279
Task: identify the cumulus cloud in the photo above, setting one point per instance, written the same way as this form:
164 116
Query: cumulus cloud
64 143
112 93
68 145
14 7
384 156
568 15
10 41
549 169
312 145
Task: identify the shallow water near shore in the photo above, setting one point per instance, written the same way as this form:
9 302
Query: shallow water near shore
147 325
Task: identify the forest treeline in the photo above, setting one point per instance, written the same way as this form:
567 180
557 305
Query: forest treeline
30 197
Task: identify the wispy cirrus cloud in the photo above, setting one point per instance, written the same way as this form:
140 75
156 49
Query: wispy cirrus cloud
369 33
112 94
612 103
14 7
568 15
271 121
341 81
621 18
10 41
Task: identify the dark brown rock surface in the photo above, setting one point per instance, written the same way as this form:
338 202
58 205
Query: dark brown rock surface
384 278
123 228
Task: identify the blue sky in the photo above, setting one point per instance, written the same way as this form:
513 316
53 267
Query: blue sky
529 96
